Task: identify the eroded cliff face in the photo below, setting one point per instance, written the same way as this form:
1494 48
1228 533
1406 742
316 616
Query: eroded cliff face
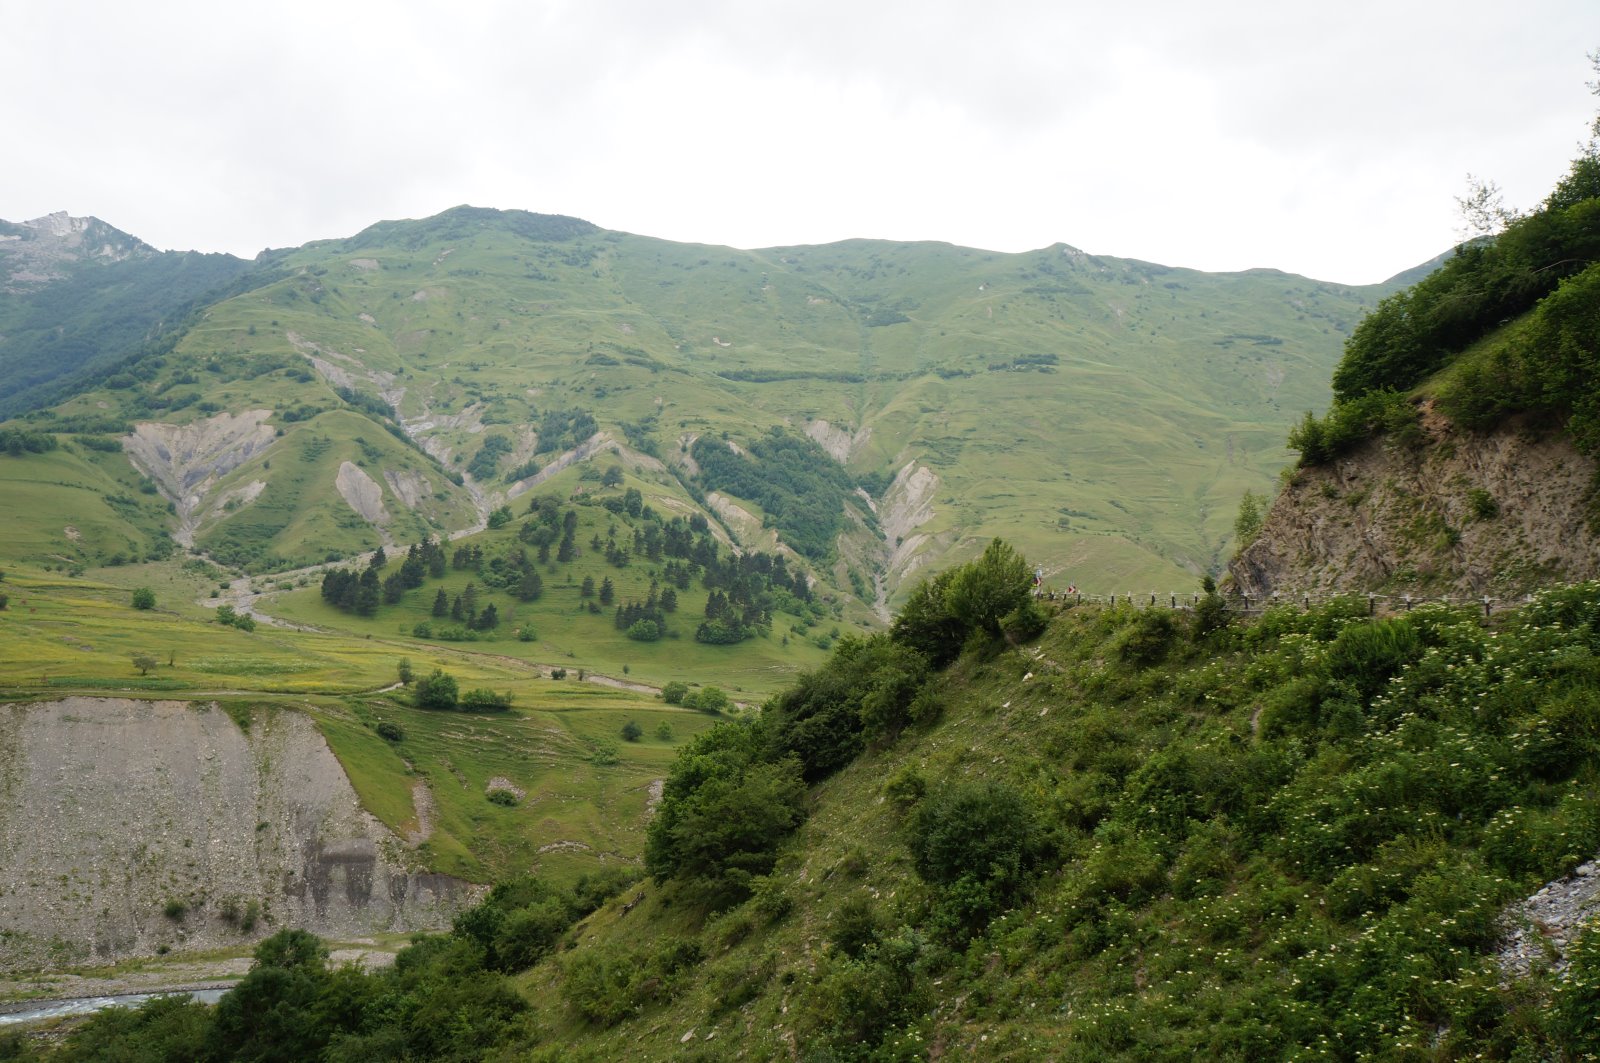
115 813
1456 514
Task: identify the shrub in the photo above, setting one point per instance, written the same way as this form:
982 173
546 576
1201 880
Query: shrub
926 624
144 598
906 787
504 798
711 700
1577 997
1147 640
436 691
391 732
978 841
631 731
483 700
723 811
988 589
674 692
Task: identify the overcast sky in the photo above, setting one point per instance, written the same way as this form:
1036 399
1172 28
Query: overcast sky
1328 139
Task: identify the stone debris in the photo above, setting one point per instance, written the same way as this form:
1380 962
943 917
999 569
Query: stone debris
1541 929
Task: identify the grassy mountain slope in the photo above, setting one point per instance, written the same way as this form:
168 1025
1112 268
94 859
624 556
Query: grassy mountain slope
584 789
1256 848
1105 413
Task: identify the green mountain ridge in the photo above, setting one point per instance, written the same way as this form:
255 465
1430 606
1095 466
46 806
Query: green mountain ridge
77 294
1104 413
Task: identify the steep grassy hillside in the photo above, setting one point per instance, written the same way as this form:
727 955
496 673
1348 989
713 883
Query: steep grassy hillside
1142 835
1104 413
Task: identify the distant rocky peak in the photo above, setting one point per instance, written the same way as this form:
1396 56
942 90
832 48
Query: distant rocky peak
88 235
42 250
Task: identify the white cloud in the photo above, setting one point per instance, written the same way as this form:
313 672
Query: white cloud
1325 140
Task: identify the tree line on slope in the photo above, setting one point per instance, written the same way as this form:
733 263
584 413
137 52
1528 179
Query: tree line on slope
1544 262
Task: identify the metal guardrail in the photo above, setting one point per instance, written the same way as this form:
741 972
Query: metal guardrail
1254 605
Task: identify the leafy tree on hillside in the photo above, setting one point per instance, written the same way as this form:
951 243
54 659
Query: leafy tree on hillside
982 594
1247 525
144 598
723 811
927 624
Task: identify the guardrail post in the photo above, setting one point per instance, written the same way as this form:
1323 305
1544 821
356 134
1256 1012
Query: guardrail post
1407 600
1486 607
1372 604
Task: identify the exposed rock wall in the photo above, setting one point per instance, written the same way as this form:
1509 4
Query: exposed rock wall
114 811
1460 514
187 460
362 493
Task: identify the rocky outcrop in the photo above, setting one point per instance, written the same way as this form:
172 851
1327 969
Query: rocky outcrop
187 460
841 445
126 826
361 493
37 252
1542 928
1454 513
409 486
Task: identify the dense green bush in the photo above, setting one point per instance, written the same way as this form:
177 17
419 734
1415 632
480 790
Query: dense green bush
1414 332
483 700
978 841
436 690
725 808
1351 422
605 985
